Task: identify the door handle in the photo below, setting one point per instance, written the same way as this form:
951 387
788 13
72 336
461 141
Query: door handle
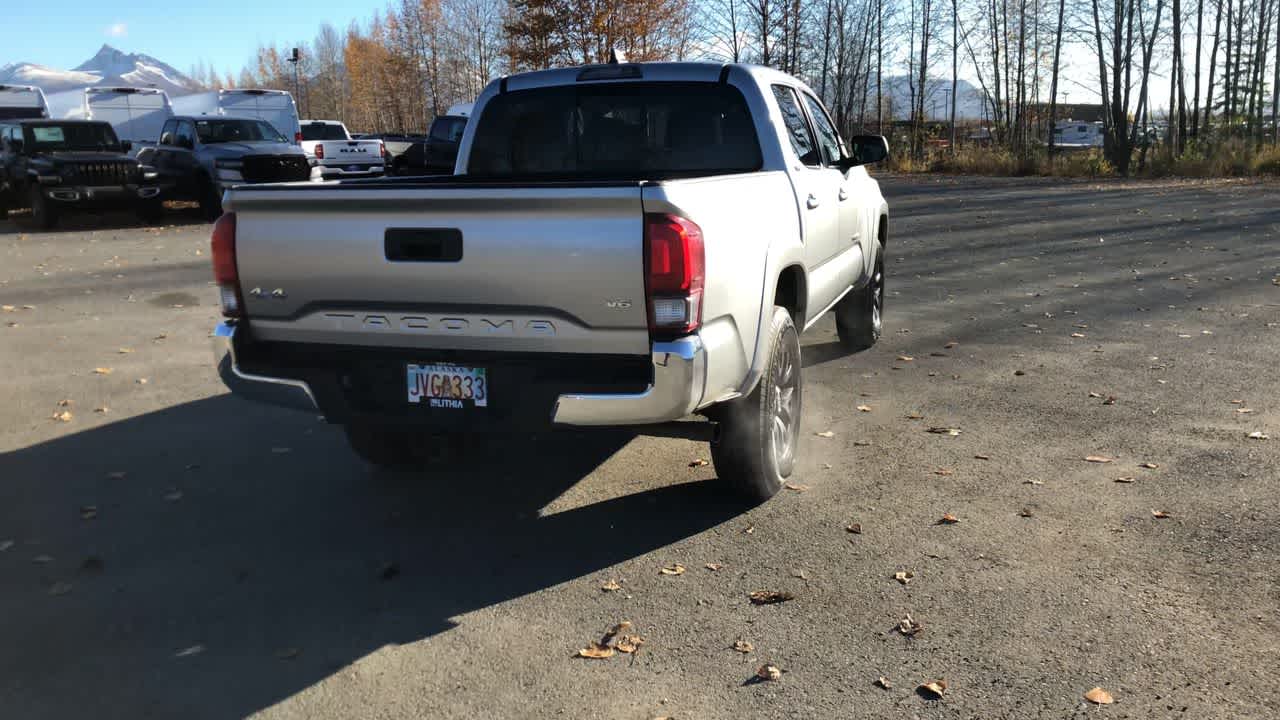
812 202
844 195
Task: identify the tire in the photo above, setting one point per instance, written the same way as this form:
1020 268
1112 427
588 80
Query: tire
860 315
385 448
210 200
43 214
756 449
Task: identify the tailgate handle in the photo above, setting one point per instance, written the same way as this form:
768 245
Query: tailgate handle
423 244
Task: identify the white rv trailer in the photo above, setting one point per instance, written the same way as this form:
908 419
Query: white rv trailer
21 102
274 106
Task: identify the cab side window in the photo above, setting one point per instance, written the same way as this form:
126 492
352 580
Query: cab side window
828 138
798 130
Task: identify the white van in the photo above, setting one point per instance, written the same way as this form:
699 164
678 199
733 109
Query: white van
1076 134
274 106
22 102
136 114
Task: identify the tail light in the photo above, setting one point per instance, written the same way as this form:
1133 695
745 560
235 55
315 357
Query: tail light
297 138
319 151
675 267
382 149
225 274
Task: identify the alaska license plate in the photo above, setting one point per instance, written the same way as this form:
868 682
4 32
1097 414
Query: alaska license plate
448 386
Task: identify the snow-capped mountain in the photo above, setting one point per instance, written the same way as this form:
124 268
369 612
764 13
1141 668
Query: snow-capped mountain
108 67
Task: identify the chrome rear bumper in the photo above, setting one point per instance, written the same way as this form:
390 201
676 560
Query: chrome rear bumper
284 392
679 377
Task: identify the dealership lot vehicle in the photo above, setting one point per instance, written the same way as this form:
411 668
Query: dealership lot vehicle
336 155
136 114
657 260
22 101
406 153
55 167
443 140
198 158
274 106
212 558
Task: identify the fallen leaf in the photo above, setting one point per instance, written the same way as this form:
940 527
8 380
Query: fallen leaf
796 487
981 457
125 351
951 344
189 651
1032 481
1026 512
864 408
855 528
621 627
629 643
904 576
884 682
673 569
915 416
141 381
1236 402
948 519
288 653
102 410
66 403
713 567
743 646
858 443
935 689
1148 465
64 416
698 463
1111 400
88 512
748 529
825 434
1077 335
944 471
610 586
944 431
596 651
1244 410
768 672
1099 459
1259 435
1160 514
1095 395
102 371
1126 480
909 627
770 597
1019 373
1098 696
905 358
8 308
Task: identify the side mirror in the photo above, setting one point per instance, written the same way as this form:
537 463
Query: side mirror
166 139
126 145
864 150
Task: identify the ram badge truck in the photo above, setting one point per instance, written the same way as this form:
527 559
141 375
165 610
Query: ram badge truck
628 245
335 155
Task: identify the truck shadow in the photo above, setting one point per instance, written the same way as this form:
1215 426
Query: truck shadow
214 558
19 221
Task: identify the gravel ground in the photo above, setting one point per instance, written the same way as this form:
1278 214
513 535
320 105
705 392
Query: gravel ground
169 551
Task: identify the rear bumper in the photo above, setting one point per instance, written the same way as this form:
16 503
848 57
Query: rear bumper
336 172
347 387
679 375
283 392
99 196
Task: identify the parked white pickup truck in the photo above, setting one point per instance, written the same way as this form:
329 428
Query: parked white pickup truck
621 245
336 155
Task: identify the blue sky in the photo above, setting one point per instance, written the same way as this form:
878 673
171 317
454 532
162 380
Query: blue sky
65 33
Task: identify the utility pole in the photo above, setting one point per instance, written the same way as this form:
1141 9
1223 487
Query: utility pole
294 58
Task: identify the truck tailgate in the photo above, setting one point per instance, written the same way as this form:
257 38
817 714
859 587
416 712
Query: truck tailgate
449 265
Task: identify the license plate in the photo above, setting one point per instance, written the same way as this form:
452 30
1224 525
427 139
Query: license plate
448 386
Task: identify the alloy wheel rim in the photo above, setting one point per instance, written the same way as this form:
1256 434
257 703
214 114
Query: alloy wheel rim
877 299
784 413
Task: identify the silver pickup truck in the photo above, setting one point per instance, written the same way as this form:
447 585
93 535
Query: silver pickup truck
626 245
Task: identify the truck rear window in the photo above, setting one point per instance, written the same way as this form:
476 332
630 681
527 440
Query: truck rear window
616 130
323 131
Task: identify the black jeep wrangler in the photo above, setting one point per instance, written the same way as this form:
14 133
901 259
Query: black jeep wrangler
57 166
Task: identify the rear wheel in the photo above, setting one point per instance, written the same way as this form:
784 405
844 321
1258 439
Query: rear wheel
43 214
859 316
756 449
210 199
